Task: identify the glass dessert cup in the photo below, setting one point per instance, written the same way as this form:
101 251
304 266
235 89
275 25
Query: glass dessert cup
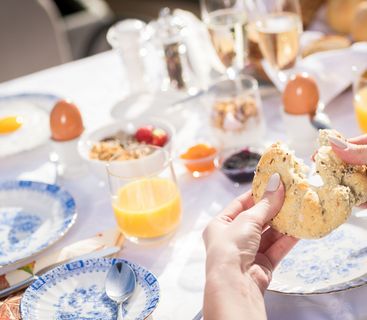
145 197
235 112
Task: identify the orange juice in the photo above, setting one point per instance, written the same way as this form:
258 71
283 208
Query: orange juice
148 208
360 104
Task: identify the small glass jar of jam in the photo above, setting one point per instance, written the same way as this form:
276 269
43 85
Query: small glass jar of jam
239 165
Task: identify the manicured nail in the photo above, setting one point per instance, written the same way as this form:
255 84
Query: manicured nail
338 143
273 183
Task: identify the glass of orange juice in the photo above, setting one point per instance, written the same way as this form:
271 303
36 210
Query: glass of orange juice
360 101
145 197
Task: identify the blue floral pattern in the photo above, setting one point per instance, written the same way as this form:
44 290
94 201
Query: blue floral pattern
85 303
19 238
324 265
20 225
77 300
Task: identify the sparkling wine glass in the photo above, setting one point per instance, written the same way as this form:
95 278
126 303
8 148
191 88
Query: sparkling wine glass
360 101
226 22
279 26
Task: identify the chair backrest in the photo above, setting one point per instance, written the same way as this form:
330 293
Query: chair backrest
32 37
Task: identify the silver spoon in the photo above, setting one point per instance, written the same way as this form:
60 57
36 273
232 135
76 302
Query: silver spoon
120 285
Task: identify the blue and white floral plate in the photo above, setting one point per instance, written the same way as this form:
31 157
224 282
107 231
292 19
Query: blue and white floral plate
334 263
33 216
77 291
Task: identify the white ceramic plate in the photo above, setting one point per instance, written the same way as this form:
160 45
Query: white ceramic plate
34 110
335 263
77 291
33 216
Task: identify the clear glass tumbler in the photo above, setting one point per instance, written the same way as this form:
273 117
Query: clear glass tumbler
145 197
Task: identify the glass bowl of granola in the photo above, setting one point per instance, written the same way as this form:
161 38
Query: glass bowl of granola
235 112
126 142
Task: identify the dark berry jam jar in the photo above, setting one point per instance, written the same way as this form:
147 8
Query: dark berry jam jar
239 166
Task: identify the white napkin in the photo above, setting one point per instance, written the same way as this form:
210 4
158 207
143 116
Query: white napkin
333 70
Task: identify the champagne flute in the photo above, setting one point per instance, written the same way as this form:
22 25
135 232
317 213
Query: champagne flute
360 100
279 25
226 22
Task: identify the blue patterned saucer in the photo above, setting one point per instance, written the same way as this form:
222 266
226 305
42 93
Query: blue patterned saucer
33 216
334 263
77 291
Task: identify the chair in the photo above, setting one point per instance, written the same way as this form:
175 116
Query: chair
32 37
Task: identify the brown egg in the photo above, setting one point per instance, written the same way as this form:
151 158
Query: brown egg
301 95
65 121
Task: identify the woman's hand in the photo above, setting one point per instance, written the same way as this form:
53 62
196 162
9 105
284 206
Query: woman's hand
242 252
353 152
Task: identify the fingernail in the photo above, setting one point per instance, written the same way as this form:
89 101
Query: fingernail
273 183
338 143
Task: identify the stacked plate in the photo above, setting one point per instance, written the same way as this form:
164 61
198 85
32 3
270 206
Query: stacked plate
33 216
337 262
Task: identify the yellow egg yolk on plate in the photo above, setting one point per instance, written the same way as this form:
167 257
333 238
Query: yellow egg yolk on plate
10 124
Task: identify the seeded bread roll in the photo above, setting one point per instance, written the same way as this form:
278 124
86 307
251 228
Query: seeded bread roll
325 43
311 212
340 14
359 23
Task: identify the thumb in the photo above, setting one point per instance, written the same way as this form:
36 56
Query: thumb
349 152
271 203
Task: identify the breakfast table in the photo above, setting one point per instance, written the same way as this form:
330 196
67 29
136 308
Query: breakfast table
96 84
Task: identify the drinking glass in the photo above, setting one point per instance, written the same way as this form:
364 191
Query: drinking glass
278 26
226 22
145 197
360 101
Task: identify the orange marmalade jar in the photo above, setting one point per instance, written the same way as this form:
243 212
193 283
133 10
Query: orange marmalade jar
200 159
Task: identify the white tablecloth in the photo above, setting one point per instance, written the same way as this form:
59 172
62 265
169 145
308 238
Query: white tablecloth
96 84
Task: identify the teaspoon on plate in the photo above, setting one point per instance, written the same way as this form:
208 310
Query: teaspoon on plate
120 285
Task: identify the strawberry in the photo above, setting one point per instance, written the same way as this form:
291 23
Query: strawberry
160 137
145 134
